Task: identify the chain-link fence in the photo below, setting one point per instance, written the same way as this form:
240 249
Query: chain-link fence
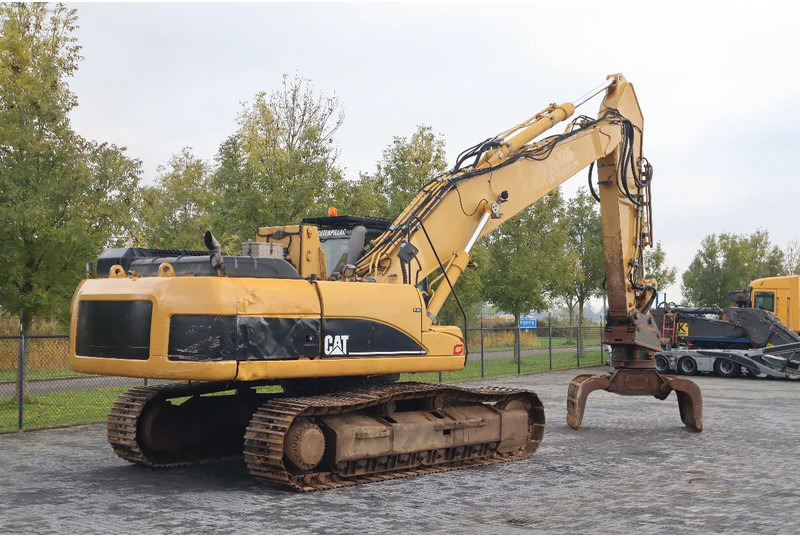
53 395
496 352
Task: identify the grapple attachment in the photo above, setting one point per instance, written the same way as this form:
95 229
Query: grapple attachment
636 382
632 346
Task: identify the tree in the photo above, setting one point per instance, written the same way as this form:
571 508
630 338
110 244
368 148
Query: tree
62 198
406 165
729 262
583 251
470 290
363 197
280 165
525 252
791 258
176 211
655 266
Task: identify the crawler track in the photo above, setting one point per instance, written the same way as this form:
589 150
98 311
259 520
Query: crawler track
127 434
264 440
131 428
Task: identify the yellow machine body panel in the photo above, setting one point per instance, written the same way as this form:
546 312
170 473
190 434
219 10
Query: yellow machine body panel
399 305
223 328
780 296
302 245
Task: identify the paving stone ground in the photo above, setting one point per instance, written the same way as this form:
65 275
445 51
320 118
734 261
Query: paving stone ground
632 468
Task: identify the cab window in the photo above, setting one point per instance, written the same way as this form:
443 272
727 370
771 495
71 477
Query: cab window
335 252
765 301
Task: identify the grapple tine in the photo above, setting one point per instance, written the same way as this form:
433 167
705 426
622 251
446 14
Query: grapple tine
579 389
636 382
690 401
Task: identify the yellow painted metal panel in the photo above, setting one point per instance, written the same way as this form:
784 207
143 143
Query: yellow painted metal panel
312 368
399 306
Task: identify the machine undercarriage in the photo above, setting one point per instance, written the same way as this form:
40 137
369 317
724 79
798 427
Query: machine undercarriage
342 438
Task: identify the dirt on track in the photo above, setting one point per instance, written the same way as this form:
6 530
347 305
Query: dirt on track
632 468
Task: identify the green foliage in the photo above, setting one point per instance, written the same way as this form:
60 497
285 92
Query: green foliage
407 164
655 267
362 197
583 252
279 166
729 262
524 270
470 291
176 211
62 198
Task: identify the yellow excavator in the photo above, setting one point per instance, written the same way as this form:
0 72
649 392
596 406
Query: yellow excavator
336 332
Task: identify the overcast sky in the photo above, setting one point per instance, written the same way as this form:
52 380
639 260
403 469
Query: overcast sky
717 82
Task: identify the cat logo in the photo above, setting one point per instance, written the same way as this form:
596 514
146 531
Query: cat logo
563 163
336 344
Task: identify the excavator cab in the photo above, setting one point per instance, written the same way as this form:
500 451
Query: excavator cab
319 248
338 234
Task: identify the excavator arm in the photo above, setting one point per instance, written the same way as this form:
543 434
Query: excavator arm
509 173
452 212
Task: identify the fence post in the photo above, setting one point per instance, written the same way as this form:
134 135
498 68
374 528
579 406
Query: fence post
578 343
440 376
482 350
601 344
550 341
519 350
603 329
21 374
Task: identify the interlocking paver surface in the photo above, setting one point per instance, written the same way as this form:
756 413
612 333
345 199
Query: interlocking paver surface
632 468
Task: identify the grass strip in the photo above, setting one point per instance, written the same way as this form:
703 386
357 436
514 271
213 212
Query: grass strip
507 366
59 409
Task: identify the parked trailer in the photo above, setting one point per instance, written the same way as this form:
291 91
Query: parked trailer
773 362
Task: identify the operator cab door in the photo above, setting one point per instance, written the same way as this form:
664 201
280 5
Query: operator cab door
776 301
782 301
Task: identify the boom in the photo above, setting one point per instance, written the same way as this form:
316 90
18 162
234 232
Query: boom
512 171
456 209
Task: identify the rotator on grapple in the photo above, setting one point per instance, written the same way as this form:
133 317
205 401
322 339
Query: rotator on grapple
333 315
